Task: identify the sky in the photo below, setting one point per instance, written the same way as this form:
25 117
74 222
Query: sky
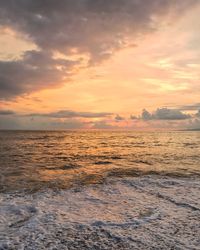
99 64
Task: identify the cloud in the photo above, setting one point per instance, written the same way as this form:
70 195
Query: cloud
194 124
198 114
146 115
6 112
68 119
94 28
36 70
170 114
162 114
71 114
195 106
119 118
133 117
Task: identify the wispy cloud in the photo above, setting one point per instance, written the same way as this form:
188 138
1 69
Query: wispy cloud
71 114
195 106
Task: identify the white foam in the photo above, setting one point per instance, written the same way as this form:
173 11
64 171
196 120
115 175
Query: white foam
132 213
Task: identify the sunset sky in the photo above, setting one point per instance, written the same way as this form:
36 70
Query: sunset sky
100 64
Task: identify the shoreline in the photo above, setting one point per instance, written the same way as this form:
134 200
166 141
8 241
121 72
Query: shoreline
145 212
94 178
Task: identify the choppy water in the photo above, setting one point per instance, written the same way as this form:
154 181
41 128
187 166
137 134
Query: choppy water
33 160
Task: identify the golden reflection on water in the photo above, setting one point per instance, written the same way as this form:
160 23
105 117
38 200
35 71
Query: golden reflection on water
34 160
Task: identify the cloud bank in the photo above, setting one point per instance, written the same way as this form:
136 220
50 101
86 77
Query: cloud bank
161 118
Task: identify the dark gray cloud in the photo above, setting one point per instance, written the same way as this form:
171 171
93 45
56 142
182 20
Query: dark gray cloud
163 114
93 27
6 112
170 114
71 114
36 70
146 115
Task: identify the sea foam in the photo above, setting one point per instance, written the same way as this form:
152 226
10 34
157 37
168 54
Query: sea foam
148 212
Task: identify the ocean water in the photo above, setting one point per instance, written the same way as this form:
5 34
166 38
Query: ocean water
35 160
99 190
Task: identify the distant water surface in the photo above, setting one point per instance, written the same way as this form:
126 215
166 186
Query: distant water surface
33 160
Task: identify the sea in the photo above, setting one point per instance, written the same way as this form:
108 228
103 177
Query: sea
99 190
34 160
